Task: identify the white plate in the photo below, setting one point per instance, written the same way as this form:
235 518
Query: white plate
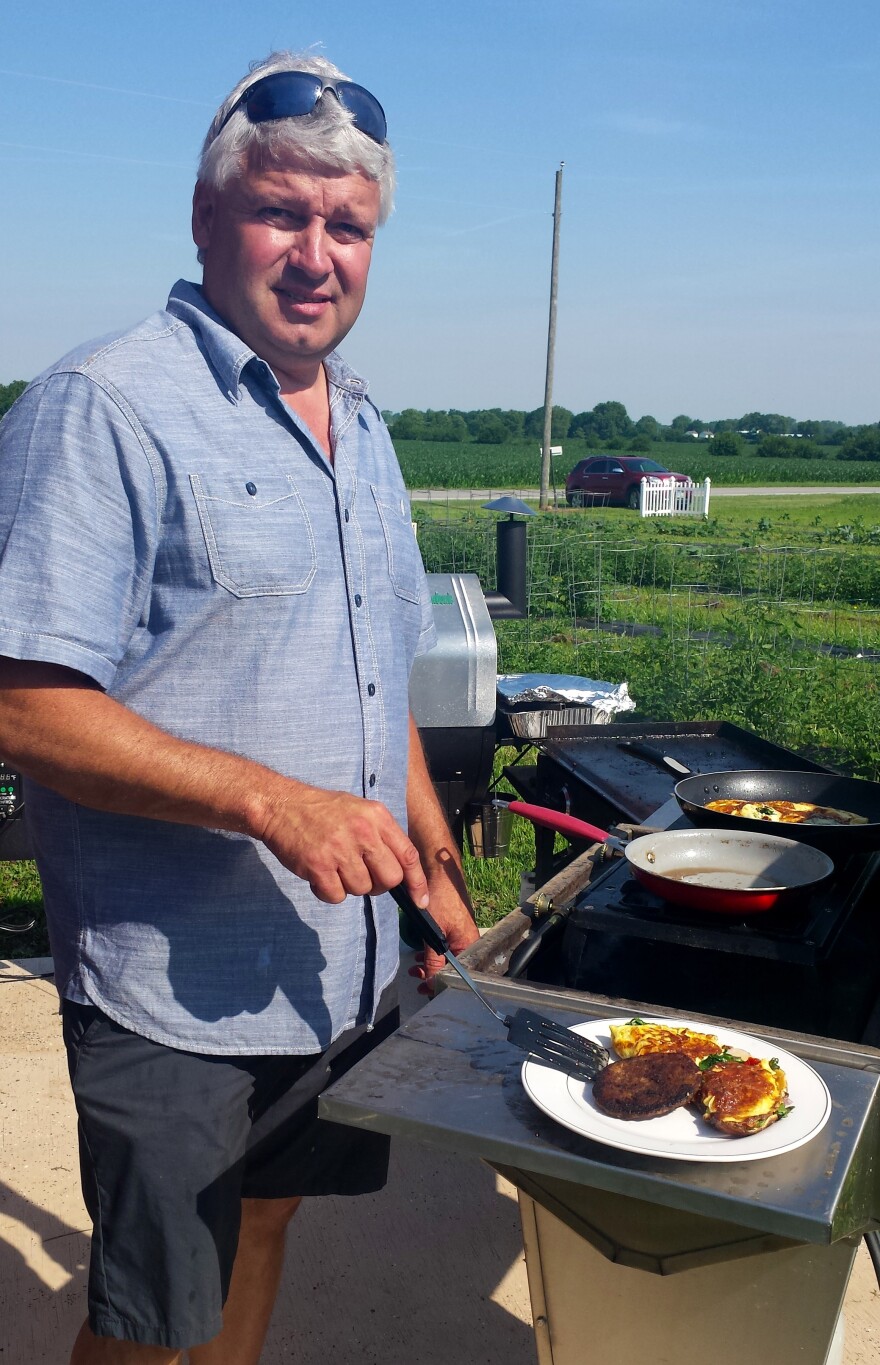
682 1135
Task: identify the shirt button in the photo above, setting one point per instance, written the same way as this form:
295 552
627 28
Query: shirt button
371 689
357 599
346 514
372 779
251 488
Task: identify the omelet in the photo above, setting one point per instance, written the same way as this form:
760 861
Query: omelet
740 1097
638 1039
787 812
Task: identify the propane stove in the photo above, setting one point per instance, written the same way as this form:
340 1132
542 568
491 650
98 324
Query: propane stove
813 967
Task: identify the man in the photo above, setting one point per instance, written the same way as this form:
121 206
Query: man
211 599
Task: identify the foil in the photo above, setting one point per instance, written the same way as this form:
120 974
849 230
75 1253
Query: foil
552 691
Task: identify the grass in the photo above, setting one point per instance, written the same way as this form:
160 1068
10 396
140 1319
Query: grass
820 519
827 548
494 883
21 901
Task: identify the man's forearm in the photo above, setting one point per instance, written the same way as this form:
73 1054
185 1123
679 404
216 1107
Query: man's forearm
428 826
60 729
67 734
429 830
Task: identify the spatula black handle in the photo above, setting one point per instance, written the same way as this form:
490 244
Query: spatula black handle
655 756
428 927
435 938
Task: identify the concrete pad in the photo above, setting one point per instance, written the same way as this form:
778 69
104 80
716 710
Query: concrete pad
430 1270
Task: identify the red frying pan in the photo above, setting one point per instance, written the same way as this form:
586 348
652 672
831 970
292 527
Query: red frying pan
705 869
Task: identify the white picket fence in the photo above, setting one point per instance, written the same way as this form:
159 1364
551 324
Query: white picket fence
668 498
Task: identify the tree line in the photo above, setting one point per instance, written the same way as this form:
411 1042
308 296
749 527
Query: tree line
9 393
609 426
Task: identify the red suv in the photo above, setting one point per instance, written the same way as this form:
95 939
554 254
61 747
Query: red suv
613 478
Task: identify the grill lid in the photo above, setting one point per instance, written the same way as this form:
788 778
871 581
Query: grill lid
452 686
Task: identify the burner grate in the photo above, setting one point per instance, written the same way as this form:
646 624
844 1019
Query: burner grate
814 969
802 934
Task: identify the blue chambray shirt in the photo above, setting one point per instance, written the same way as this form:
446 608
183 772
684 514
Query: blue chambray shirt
169 527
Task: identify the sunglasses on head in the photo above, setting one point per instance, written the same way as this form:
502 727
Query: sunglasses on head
293 94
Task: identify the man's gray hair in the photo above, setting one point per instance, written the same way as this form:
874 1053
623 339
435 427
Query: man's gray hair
325 139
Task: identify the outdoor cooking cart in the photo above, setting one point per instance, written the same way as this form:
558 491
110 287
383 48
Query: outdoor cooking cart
635 1259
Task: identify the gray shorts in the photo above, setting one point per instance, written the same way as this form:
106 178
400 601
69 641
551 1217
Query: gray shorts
171 1142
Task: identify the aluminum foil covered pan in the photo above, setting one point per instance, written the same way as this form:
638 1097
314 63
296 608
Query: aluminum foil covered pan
536 702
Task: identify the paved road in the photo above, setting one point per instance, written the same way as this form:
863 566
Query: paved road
778 491
532 494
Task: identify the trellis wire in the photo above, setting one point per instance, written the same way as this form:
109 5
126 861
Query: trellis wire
595 597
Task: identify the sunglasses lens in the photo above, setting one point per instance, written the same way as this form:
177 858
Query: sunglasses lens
285 94
291 94
365 109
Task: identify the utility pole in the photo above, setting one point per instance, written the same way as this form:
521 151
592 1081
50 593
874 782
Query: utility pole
551 347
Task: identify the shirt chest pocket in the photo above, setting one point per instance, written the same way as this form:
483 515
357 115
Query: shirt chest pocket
404 563
258 534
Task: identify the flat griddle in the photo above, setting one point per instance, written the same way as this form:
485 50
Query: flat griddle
634 787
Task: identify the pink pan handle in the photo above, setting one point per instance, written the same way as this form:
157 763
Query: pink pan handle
556 820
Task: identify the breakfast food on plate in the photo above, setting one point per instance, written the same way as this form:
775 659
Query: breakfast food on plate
742 1097
663 1067
787 812
637 1038
646 1087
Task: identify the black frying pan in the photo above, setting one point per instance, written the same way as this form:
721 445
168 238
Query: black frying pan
823 789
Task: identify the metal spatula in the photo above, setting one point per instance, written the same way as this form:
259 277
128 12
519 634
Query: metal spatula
542 1038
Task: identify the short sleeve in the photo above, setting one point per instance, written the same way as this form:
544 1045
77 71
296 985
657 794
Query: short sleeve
78 525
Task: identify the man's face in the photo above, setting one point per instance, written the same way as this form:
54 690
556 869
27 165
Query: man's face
286 257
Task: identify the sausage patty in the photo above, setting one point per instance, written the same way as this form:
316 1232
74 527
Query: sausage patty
646 1087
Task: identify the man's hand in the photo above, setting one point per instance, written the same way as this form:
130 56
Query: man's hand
429 963
342 845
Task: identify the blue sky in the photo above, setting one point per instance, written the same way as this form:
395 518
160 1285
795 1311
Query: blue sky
719 232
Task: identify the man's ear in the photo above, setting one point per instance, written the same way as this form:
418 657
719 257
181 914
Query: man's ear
202 215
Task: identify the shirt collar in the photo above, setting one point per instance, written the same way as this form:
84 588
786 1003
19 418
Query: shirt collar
228 354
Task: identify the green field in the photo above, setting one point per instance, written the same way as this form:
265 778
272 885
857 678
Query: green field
820 519
439 464
758 615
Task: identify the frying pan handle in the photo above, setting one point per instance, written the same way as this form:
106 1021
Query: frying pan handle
525 951
568 825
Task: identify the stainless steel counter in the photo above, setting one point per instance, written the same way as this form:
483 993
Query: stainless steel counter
451 1079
